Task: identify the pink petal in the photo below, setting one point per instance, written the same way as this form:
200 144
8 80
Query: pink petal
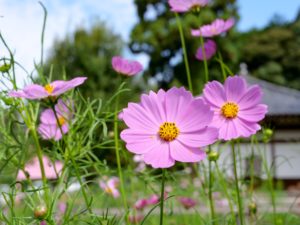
35 91
254 114
246 129
214 93
228 130
235 87
139 142
159 156
251 98
182 153
136 117
199 138
197 116
48 117
61 87
154 104
49 132
177 100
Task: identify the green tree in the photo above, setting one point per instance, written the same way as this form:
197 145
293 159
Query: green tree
88 52
273 53
157 35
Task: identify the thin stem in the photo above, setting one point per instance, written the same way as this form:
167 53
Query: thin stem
240 206
40 158
224 186
73 163
186 62
117 149
222 66
162 197
204 60
210 196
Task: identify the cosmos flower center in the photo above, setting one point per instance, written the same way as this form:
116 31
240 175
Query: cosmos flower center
61 121
230 110
168 131
49 88
108 190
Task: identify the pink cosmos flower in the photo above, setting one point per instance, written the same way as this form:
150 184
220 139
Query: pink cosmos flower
215 28
110 186
153 199
34 171
49 128
210 49
187 202
186 5
54 89
168 126
126 67
141 204
237 108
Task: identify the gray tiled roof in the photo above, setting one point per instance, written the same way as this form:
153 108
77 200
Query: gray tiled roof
280 100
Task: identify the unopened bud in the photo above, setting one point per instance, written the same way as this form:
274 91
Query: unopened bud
40 212
5 68
213 156
252 208
267 134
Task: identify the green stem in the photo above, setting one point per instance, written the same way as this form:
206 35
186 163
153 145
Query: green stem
222 66
224 186
204 60
162 198
210 186
117 149
240 206
270 184
40 158
186 62
73 163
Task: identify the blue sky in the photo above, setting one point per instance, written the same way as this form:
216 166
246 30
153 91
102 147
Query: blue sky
21 21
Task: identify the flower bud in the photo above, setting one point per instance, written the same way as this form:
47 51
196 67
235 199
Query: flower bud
213 156
252 208
40 212
267 134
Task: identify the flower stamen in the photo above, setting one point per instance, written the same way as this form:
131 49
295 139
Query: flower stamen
49 88
61 121
230 110
168 131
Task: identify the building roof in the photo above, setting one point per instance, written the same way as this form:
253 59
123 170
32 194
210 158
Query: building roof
281 101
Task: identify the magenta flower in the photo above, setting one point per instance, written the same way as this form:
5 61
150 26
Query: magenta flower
186 5
54 89
187 203
237 107
153 199
168 126
49 127
215 28
111 186
141 204
126 67
210 49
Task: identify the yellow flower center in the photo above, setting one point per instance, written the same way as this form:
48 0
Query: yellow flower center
168 131
108 190
49 88
61 121
230 110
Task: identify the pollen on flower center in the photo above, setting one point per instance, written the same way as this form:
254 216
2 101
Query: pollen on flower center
230 110
49 88
61 121
168 131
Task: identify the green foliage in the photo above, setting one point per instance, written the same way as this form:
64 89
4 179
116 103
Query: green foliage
158 36
273 53
87 52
